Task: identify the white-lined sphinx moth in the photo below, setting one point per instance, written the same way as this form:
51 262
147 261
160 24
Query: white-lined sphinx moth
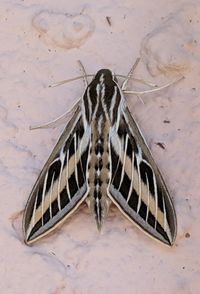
101 157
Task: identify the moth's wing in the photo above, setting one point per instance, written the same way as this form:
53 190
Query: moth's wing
136 185
61 186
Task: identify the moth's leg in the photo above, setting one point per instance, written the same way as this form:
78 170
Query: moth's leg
83 72
65 82
138 93
63 118
145 82
69 80
130 77
59 120
130 74
153 90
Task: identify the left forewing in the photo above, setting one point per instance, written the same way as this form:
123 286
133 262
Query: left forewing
61 185
136 185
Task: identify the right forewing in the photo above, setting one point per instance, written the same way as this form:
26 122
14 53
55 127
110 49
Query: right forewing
136 185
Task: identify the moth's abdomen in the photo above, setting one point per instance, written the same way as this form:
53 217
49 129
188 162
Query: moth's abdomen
99 178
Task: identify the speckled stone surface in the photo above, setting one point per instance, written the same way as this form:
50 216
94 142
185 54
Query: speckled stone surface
40 44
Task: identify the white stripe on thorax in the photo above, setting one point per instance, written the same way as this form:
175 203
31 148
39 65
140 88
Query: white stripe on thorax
113 102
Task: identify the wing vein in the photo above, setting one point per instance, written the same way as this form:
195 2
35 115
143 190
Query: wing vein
124 162
148 197
164 212
50 196
67 176
34 211
62 158
139 184
156 199
131 185
43 196
75 161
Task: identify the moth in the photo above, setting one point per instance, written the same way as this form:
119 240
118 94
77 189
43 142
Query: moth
101 158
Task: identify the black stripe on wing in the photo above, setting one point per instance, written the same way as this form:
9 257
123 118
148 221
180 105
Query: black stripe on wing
61 186
136 185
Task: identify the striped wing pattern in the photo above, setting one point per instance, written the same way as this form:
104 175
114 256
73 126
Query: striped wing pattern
136 185
101 157
61 186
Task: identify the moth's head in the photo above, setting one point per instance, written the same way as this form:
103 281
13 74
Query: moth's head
105 76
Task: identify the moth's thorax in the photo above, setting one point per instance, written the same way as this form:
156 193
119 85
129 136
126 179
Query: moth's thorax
102 97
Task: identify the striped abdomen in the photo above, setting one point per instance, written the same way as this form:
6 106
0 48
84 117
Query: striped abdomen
99 172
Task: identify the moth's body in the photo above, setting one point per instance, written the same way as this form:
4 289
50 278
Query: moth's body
98 163
100 158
